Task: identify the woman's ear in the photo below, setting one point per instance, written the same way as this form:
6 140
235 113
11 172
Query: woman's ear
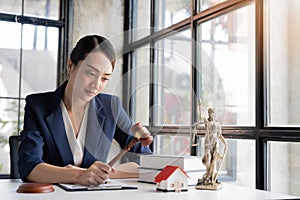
69 66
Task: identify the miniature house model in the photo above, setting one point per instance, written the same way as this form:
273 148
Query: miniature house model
172 179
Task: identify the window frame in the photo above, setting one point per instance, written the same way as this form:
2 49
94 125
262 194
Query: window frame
63 23
260 132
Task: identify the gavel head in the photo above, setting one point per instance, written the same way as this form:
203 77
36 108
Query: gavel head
141 133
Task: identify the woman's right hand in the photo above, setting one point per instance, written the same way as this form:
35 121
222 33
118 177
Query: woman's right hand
96 174
146 139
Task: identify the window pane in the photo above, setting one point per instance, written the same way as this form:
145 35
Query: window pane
48 9
141 72
11 7
284 167
141 22
227 60
173 80
9 59
140 91
172 11
239 165
204 4
9 125
178 145
40 57
282 20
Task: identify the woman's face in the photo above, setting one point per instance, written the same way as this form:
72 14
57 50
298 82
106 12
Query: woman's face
90 76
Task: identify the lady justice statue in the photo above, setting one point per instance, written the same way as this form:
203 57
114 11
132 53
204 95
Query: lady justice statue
212 155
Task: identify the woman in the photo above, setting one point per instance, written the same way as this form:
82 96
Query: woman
67 133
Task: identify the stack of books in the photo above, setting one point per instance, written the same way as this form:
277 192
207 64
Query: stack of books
151 165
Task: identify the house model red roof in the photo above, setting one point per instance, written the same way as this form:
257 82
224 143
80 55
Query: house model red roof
166 172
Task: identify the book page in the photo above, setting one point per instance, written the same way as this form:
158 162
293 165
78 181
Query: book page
126 170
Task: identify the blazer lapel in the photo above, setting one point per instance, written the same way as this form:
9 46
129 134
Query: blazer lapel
96 141
57 129
97 107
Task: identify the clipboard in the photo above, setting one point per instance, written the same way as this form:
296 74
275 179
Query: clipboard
110 185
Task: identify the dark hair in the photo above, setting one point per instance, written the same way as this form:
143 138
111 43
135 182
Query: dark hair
93 43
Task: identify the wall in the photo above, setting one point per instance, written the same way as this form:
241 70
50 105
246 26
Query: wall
106 18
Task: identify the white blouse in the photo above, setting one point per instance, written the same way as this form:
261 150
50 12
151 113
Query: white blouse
76 144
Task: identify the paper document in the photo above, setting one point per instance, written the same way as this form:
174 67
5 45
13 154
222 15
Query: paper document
110 185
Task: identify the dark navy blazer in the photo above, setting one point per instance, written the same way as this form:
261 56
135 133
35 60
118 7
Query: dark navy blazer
43 138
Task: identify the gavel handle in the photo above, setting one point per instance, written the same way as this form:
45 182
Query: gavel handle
123 152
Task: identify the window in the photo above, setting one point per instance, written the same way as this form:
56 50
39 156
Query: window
48 9
170 12
173 86
226 57
238 56
172 145
282 61
282 44
29 47
205 4
283 167
142 23
140 90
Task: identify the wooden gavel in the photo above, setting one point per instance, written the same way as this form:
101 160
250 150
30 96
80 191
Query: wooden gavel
141 133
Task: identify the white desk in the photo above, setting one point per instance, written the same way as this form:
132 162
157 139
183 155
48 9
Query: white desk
145 192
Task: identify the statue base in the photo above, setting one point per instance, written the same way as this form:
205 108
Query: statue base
208 186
